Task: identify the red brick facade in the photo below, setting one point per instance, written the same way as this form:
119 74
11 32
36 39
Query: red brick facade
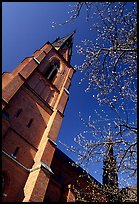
33 110
34 98
63 185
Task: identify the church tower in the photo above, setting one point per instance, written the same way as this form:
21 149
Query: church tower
110 176
34 98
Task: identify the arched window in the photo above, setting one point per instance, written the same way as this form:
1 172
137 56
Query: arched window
52 71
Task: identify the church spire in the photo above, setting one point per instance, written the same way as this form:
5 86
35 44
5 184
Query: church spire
110 177
60 42
64 45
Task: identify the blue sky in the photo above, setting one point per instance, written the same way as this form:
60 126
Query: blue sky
26 26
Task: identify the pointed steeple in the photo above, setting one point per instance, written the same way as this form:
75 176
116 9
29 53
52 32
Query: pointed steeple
65 43
60 42
110 176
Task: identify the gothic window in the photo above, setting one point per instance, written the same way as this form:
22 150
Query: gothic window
52 71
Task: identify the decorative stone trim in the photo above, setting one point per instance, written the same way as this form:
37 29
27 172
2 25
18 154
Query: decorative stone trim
42 165
62 115
46 168
21 165
5 100
45 52
52 142
13 159
66 90
36 60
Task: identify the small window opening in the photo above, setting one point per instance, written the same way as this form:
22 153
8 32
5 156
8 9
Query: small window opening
15 152
52 71
30 122
18 113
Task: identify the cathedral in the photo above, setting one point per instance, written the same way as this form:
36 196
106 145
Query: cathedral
34 97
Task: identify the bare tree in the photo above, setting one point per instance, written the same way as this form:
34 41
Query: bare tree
110 66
